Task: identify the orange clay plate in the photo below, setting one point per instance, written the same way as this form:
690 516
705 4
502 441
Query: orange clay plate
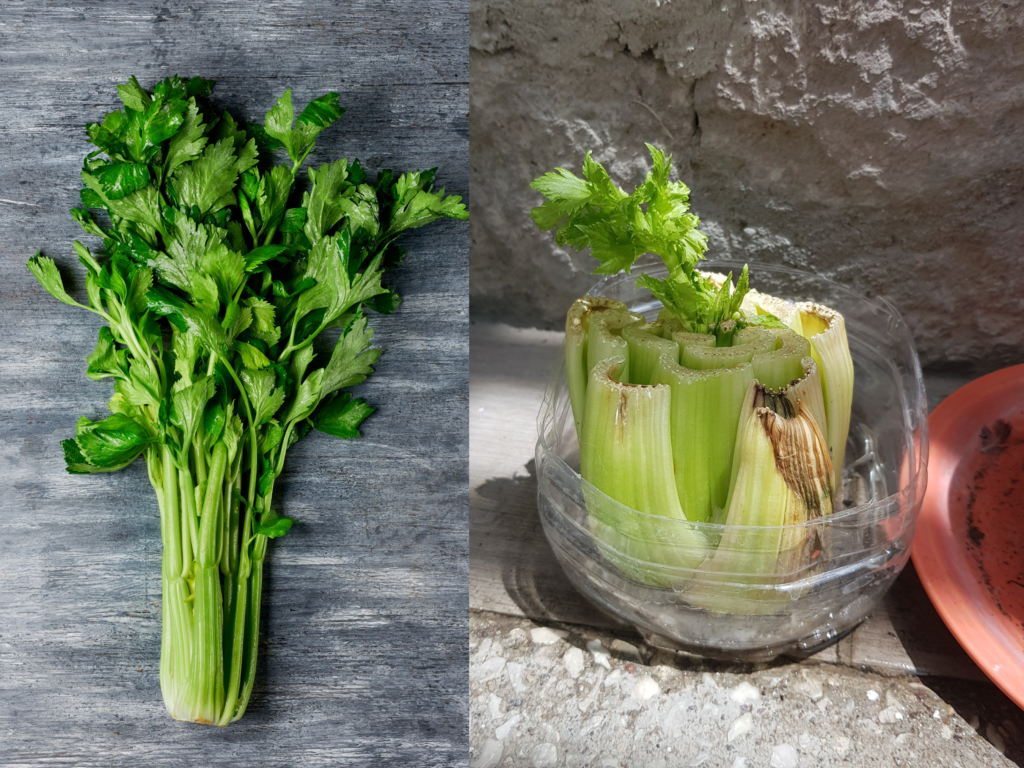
969 546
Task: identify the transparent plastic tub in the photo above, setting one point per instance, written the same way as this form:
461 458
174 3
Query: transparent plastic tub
864 544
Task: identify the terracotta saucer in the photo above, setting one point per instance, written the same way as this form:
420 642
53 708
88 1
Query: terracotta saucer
969 546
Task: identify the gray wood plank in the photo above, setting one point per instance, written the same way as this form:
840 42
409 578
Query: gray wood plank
363 656
513 570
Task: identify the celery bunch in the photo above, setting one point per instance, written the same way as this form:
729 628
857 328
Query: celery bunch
733 407
215 278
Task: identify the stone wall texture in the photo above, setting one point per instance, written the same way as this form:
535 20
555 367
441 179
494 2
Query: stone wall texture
879 143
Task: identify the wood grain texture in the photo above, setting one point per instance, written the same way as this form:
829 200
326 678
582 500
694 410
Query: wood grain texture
513 570
364 628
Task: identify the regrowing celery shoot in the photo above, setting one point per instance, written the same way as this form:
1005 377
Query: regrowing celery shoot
731 407
215 282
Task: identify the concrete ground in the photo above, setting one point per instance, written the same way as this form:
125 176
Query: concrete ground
572 696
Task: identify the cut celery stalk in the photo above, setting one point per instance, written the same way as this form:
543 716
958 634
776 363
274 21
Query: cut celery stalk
577 329
626 455
776 369
604 338
745 346
646 346
705 415
826 330
782 479
738 425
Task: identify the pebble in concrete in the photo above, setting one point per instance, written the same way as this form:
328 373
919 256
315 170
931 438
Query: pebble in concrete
740 726
646 688
599 653
574 662
745 693
544 756
488 756
784 756
546 636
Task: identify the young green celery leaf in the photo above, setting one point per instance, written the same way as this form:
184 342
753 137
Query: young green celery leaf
77 464
252 358
86 222
45 271
360 206
140 283
213 420
207 181
294 221
265 398
133 95
109 136
322 201
115 441
226 268
335 291
263 326
257 256
413 203
272 197
176 88
318 114
106 360
352 359
322 112
307 397
273 525
121 179
592 212
163 302
189 142
342 416
142 207
141 386
146 130
187 405
186 348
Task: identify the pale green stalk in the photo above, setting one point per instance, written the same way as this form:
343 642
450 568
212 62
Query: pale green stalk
826 330
626 454
646 347
782 479
577 330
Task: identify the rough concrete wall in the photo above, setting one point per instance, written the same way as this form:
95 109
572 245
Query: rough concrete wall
879 143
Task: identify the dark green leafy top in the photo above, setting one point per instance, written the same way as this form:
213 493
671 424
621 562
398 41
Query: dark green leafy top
619 228
216 277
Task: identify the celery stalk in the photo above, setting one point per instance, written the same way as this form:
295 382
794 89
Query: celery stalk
626 453
777 368
706 357
705 416
782 479
604 339
577 332
826 330
646 346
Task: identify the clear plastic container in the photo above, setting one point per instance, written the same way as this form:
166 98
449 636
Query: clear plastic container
865 542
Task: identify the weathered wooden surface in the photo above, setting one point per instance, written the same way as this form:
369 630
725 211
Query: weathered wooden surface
364 658
513 571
